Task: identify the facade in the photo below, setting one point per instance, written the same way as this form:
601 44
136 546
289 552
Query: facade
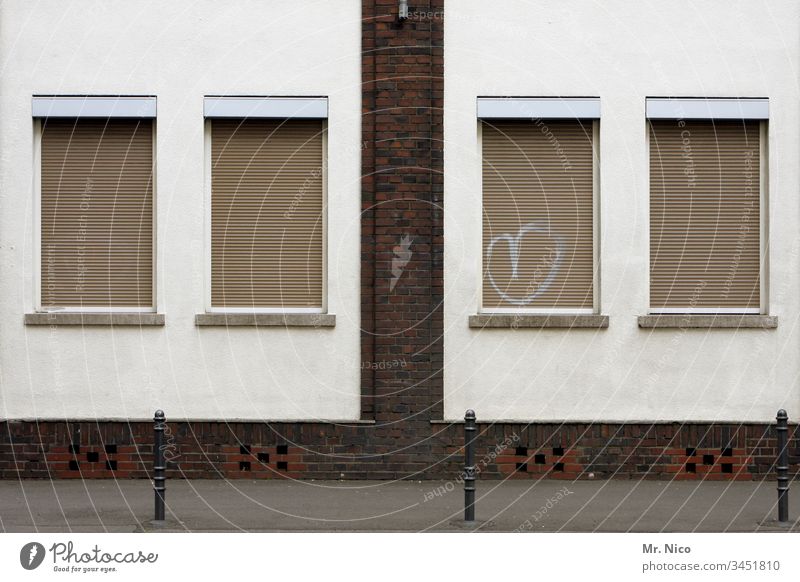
315 237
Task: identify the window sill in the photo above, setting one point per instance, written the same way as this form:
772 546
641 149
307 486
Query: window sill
109 319
537 321
265 319
708 321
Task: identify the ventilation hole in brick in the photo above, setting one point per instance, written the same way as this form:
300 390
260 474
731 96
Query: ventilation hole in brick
558 451
522 467
727 452
283 466
93 456
539 459
691 451
111 449
263 457
283 449
522 451
244 465
75 449
708 459
727 467
74 465
558 467
244 449
691 467
111 465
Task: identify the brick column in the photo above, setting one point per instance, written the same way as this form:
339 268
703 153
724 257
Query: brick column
401 228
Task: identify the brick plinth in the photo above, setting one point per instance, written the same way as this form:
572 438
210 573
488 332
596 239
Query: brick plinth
326 451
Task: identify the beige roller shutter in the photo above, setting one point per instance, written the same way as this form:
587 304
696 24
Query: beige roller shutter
97 214
538 214
266 213
704 215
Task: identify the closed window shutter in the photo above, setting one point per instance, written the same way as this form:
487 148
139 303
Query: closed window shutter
266 213
97 213
538 215
704 215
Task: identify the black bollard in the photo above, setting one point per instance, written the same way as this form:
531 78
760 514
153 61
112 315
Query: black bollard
782 429
159 465
469 466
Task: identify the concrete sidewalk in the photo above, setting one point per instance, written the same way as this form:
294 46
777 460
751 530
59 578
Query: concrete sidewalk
585 506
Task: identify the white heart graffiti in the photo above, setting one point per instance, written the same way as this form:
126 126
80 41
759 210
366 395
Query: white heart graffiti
513 249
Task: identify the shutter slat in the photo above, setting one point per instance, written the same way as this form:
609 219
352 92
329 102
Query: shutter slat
538 187
266 213
97 213
704 214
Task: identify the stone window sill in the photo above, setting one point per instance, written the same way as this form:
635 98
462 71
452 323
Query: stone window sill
109 319
537 321
707 321
265 319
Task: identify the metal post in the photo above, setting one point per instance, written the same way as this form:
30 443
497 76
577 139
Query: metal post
782 429
469 466
159 464
402 10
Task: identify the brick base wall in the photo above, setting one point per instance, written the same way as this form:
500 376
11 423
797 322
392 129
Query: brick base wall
326 451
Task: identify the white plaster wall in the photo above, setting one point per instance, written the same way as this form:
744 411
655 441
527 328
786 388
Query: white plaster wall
179 51
621 51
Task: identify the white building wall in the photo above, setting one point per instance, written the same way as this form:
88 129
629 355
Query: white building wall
621 51
179 51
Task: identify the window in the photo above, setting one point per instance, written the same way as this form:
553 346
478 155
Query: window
706 172
538 207
267 219
96 205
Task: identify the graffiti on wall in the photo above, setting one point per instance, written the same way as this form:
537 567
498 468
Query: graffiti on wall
543 275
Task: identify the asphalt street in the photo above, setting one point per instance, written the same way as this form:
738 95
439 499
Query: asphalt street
413 506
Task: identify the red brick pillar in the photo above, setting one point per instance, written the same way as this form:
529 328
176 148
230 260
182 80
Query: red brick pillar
401 225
